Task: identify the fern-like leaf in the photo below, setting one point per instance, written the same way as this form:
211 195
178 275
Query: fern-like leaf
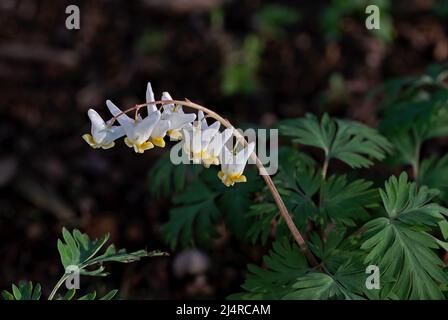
400 243
78 250
349 141
24 291
285 264
196 213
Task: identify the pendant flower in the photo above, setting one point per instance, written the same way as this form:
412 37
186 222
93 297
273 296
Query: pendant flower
214 148
197 137
232 166
137 131
201 142
158 134
176 116
102 135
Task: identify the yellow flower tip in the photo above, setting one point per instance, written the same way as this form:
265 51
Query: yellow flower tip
230 180
199 157
89 139
128 142
108 146
142 147
174 134
139 148
210 161
158 141
239 178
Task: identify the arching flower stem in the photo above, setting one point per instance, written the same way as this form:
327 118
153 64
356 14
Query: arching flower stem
272 188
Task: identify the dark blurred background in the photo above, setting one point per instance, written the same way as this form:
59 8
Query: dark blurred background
253 61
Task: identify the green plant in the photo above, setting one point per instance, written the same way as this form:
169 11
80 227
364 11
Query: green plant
81 254
368 216
239 72
327 228
333 16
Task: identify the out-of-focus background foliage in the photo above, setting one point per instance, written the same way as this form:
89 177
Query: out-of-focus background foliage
254 61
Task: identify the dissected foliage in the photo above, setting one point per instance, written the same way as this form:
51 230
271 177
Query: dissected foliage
24 291
397 222
349 221
348 141
80 253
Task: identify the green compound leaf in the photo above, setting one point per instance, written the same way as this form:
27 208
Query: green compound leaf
349 141
288 276
285 263
234 203
339 200
78 250
92 295
298 185
400 244
347 283
70 294
434 174
195 215
345 202
166 178
24 291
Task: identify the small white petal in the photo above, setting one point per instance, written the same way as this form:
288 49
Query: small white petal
178 121
149 93
114 133
208 133
115 111
167 107
160 129
98 125
244 154
101 132
150 98
218 141
144 127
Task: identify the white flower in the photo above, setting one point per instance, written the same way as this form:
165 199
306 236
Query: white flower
214 148
162 126
138 131
159 132
232 166
150 98
176 116
170 107
102 135
197 139
202 119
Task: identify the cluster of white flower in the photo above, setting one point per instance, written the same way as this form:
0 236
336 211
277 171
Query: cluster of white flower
202 143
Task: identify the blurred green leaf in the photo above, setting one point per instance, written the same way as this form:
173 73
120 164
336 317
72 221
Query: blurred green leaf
194 216
274 18
434 174
239 73
166 178
24 291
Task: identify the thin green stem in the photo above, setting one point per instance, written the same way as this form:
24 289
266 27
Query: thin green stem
325 167
324 177
57 286
416 161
